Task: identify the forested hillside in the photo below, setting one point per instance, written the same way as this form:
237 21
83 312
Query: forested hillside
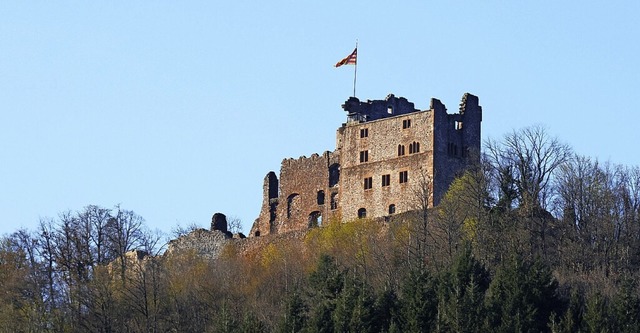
534 238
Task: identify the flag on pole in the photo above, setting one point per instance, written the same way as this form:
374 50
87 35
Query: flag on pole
351 59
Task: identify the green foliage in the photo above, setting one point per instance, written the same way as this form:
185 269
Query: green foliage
626 307
295 315
522 297
461 294
465 266
418 302
597 316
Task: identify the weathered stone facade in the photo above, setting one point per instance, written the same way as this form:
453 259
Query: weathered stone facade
384 151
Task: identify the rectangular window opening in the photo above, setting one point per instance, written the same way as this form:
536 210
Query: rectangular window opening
368 183
404 177
364 156
386 180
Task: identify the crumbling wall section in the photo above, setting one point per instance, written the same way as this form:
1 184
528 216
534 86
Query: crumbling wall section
303 197
457 142
304 184
206 243
377 109
384 153
264 224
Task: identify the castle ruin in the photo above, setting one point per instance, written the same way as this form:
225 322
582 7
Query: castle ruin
384 152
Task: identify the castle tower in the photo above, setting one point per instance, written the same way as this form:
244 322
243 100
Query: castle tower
385 152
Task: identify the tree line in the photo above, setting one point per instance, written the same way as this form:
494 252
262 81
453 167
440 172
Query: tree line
532 238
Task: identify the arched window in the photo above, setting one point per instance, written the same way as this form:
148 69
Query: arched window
414 147
315 219
362 213
334 174
291 203
400 150
334 201
392 209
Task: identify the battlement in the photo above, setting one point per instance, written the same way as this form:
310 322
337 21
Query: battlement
391 106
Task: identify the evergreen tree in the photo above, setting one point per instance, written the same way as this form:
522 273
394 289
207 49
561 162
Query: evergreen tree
386 311
573 318
295 314
597 317
626 307
521 297
418 302
325 285
461 294
354 307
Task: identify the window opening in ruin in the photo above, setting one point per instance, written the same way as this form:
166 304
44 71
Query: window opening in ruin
315 219
362 213
364 156
257 233
320 197
334 174
392 209
334 201
390 109
386 180
364 132
368 183
400 150
406 123
291 203
404 176
452 149
414 147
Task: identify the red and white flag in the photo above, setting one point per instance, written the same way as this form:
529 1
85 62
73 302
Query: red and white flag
351 59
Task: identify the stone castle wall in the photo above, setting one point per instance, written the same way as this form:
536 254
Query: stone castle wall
383 138
388 146
303 195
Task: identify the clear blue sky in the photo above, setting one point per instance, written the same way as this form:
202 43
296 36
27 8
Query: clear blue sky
178 109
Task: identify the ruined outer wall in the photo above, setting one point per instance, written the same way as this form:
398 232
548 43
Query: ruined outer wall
448 143
381 143
303 195
456 141
206 243
264 224
300 182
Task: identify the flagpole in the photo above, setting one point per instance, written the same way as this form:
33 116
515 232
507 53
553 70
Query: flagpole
355 72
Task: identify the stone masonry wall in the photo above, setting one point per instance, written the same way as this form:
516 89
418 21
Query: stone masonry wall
457 141
315 189
303 195
381 143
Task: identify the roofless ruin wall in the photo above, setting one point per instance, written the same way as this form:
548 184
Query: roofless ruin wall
385 150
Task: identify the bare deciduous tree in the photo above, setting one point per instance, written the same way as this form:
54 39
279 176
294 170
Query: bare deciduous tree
528 157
